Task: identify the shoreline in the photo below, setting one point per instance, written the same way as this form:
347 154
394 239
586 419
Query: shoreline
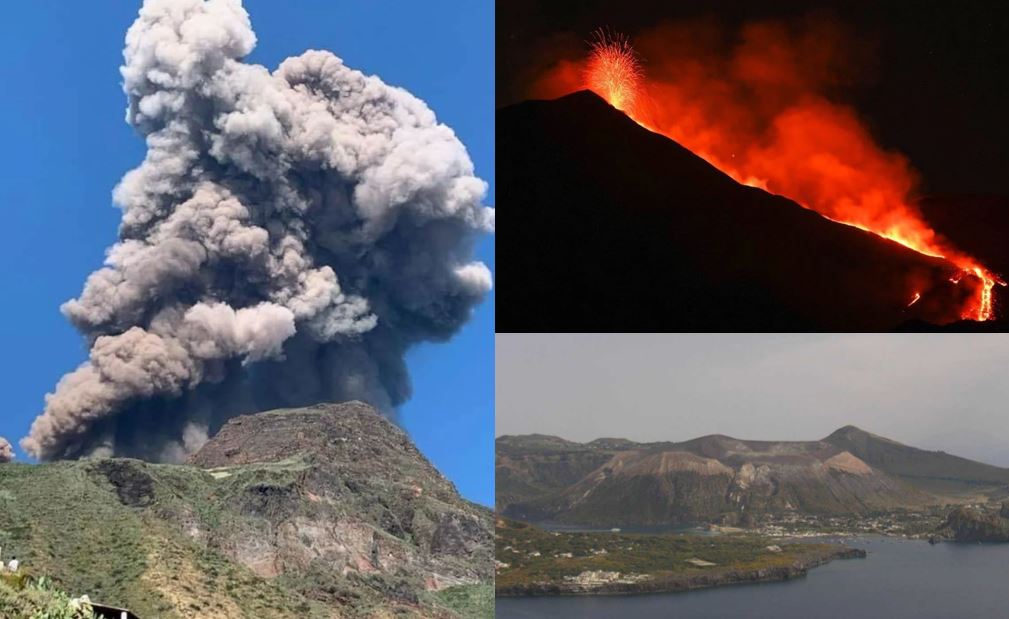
686 582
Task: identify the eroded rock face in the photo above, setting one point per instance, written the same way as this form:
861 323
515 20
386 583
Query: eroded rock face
338 491
457 534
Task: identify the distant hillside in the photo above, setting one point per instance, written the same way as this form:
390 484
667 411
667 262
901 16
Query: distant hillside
536 466
935 471
720 478
326 511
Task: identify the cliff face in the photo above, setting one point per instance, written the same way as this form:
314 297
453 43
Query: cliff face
712 478
316 512
357 496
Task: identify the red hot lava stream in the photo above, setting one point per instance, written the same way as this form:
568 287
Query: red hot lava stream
817 152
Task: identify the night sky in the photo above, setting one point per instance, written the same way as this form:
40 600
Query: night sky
929 79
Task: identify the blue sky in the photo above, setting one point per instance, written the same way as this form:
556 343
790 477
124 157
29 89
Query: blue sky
65 145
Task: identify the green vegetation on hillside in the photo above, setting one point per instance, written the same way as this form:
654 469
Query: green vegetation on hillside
22 597
132 534
57 521
469 601
528 554
302 513
61 519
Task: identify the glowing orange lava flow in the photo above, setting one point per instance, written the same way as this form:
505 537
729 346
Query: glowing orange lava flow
804 163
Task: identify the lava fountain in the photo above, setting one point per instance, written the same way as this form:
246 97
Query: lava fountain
756 117
614 70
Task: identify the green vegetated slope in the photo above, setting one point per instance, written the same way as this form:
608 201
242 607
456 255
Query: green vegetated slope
39 599
325 512
476 601
534 560
66 520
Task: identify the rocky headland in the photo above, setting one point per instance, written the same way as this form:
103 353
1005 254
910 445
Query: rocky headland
976 524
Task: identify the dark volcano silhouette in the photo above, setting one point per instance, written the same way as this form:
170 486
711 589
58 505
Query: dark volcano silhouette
616 228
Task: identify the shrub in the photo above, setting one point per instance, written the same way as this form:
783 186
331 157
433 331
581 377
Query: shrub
39 599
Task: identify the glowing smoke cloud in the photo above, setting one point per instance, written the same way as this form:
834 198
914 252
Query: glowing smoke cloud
287 238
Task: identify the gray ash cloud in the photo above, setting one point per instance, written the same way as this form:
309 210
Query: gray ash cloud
288 237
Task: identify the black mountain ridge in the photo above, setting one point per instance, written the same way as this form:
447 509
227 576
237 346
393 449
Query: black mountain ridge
617 228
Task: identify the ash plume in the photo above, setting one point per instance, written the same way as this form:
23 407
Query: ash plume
6 451
289 235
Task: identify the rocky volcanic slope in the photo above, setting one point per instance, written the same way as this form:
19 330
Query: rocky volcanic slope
933 471
713 478
606 205
325 511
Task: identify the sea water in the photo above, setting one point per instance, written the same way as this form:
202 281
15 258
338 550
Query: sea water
898 579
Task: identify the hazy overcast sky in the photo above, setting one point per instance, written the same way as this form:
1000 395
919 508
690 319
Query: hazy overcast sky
935 391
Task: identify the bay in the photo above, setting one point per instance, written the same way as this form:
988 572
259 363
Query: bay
898 579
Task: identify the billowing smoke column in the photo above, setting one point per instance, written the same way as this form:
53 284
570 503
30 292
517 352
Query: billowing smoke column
287 238
6 451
